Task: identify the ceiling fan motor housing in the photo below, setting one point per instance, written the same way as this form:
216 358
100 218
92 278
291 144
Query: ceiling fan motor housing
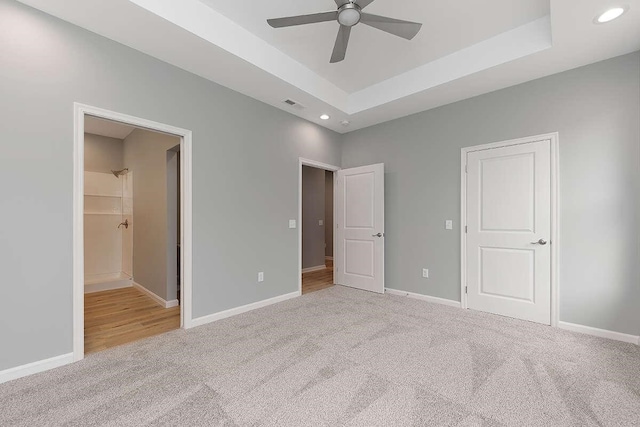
349 14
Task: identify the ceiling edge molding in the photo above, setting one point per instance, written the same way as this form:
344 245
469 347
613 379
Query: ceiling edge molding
523 41
204 22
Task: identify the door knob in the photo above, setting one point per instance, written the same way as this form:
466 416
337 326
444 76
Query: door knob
377 235
540 242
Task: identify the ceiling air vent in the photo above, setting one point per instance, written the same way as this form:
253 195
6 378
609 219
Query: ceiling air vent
294 104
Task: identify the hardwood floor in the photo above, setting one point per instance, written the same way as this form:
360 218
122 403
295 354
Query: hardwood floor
317 280
120 316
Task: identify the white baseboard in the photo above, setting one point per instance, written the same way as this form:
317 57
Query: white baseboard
35 367
160 301
316 268
242 309
602 333
435 300
91 288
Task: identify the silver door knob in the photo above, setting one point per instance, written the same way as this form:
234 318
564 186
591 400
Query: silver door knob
377 235
540 242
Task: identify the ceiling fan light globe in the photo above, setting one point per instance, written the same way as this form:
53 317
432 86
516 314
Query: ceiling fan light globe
349 17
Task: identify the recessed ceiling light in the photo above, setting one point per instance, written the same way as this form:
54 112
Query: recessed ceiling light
325 117
610 14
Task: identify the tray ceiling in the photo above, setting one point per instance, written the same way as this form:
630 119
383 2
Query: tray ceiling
465 48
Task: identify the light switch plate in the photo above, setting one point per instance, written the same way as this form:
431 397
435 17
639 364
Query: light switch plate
448 224
321 222
261 276
292 223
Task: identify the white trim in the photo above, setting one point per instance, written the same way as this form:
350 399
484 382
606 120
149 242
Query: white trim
316 268
186 179
602 333
306 162
242 309
555 215
427 298
35 367
107 286
156 298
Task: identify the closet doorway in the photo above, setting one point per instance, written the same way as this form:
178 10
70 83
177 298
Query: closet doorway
132 229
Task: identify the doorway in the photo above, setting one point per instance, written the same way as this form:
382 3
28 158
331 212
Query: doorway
317 229
509 236
358 226
132 229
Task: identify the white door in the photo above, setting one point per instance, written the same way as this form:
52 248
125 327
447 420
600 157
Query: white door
359 257
509 230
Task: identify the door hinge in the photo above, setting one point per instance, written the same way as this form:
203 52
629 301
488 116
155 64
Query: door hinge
466 169
466 229
466 291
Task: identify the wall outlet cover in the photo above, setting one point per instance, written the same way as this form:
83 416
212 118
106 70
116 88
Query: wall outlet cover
425 273
292 223
448 224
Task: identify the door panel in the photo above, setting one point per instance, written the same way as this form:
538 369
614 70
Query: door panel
507 204
508 212
515 282
359 260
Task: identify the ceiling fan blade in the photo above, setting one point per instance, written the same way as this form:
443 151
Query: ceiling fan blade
303 19
405 29
363 3
342 41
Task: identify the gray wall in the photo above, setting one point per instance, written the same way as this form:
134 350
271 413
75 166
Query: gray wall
239 170
328 214
596 110
173 220
102 154
312 212
154 228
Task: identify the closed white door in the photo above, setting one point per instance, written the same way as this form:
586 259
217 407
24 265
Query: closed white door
359 260
509 230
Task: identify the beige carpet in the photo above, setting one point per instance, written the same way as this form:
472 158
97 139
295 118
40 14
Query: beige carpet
342 357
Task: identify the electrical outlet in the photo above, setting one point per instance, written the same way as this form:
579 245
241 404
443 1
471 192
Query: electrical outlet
261 276
292 223
425 273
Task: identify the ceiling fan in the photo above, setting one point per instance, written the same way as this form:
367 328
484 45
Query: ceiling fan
349 14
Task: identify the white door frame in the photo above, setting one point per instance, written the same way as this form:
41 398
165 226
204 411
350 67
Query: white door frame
555 215
318 165
186 196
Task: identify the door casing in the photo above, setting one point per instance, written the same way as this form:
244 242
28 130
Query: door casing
186 216
555 215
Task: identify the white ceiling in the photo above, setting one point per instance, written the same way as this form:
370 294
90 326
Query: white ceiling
374 56
466 48
108 128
